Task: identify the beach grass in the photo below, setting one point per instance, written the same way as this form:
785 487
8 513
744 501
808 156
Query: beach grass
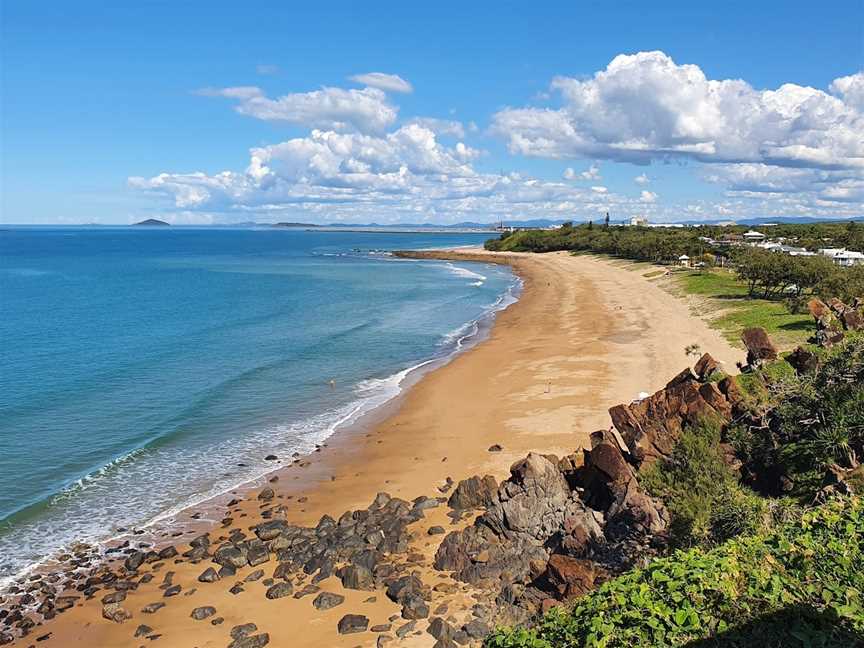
723 300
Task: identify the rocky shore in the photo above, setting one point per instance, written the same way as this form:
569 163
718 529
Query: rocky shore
437 561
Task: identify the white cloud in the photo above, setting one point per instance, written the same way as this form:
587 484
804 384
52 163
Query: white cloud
441 126
642 179
648 197
592 173
600 190
365 110
645 107
382 81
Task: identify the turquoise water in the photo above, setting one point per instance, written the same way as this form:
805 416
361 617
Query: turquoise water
139 367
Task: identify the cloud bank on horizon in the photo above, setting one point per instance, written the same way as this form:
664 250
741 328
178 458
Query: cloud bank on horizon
790 151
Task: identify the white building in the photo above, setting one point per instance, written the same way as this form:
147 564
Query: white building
754 237
843 257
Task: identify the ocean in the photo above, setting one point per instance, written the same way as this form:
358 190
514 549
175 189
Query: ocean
143 370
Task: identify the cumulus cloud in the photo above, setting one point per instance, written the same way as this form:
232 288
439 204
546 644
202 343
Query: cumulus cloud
592 173
645 107
365 110
448 127
382 81
648 197
642 179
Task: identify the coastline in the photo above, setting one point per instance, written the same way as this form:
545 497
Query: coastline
584 336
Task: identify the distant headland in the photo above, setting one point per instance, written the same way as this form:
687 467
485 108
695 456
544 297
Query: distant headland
151 222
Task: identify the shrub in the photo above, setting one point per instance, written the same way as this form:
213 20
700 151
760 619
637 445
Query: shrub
701 492
798 586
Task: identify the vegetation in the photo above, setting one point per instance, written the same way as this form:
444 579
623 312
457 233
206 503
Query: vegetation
766 274
815 421
702 493
732 310
800 585
752 567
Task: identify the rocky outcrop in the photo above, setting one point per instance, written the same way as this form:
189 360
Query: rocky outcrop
555 528
759 346
651 427
834 318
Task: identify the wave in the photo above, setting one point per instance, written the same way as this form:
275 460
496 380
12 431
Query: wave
135 482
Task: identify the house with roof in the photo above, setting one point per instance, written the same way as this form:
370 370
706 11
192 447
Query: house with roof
843 257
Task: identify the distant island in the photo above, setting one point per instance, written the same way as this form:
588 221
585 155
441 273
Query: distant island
295 225
151 222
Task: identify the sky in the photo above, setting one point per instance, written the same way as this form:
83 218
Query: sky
338 112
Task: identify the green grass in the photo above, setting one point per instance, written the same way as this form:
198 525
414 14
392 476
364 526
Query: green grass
735 311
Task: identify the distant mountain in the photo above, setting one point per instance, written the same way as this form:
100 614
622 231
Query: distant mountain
150 222
295 225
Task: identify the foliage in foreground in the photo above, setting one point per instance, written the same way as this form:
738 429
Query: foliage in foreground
799 586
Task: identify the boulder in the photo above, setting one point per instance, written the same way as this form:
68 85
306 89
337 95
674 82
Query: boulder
651 427
116 613
351 623
570 577
327 600
280 590
356 577
759 345
803 361
474 492
705 367
203 612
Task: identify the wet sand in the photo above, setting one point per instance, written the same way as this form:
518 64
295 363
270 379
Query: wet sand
586 334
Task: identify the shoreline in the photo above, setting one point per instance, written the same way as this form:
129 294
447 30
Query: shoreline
158 529
541 380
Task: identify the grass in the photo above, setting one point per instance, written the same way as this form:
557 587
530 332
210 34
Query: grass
730 309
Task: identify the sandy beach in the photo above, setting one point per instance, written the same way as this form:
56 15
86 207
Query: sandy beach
585 335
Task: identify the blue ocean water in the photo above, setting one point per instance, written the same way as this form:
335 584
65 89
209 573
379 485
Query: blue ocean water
139 366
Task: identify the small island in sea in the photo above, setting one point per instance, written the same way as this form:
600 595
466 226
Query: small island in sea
151 222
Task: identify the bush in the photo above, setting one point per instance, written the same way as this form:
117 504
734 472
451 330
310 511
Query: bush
701 492
799 586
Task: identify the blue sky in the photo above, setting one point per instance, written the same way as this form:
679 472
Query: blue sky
726 110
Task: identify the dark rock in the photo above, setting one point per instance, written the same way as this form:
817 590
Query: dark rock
327 600
174 590
476 629
414 607
134 560
403 631
439 628
231 556
356 577
705 367
474 492
209 575
204 612
143 630
243 630
253 641
436 530
114 597
285 588
256 575
351 623
383 627
495 448
803 361
257 553
152 607
759 345
266 494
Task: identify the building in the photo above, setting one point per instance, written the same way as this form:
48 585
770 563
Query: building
754 237
843 257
